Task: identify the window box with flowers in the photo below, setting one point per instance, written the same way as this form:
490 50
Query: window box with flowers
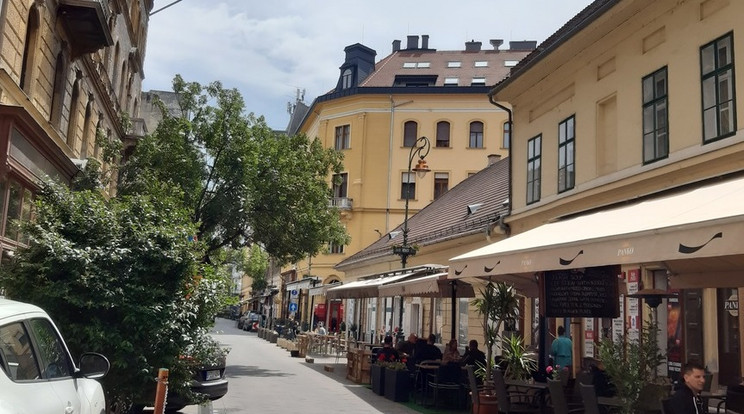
397 381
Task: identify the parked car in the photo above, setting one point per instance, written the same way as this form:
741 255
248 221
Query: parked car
209 379
252 321
37 373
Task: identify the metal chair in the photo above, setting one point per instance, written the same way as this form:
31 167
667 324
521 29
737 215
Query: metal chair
589 396
734 401
512 402
558 399
446 378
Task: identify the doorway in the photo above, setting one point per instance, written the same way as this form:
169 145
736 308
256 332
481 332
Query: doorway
728 336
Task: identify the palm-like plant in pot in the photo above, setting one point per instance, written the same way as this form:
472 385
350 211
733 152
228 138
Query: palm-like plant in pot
497 302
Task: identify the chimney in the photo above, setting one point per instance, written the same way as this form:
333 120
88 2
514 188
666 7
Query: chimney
412 42
496 43
473 46
424 41
493 159
396 45
523 45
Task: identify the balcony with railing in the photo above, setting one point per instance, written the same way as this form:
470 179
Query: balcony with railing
342 203
86 21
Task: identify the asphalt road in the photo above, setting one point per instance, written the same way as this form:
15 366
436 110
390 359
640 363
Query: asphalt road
266 379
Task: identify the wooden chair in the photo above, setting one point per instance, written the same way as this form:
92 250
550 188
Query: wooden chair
558 399
475 389
512 402
589 396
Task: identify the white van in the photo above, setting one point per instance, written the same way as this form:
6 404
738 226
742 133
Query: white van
37 373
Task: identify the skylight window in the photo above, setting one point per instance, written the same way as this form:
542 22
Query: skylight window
450 81
481 64
478 80
423 65
409 65
454 64
510 63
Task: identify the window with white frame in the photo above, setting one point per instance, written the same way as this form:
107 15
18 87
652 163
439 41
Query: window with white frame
567 154
454 64
719 103
481 64
506 135
451 81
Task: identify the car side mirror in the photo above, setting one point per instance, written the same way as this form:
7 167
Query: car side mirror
93 365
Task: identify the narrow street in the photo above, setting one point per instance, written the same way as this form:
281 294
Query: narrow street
265 379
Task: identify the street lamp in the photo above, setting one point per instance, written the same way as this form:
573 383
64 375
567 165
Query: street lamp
420 148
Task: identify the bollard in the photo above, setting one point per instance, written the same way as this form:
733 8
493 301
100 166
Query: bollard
161 391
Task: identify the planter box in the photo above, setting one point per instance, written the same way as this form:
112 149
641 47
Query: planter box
377 375
397 385
483 408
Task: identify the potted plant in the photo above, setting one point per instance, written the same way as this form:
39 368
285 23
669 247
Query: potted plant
497 303
520 363
397 381
632 368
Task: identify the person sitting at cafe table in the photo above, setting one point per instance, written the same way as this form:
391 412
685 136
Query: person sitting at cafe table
451 353
687 399
406 347
387 353
602 384
473 355
427 351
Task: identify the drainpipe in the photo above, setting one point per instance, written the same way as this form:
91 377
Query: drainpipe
511 134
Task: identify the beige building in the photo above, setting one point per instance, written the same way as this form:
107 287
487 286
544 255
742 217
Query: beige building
375 116
626 164
69 70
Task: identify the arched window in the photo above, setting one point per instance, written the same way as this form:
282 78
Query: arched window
74 112
31 46
443 134
115 65
410 133
122 84
87 127
476 134
58 93
346 79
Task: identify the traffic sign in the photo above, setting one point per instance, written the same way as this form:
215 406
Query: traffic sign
293 307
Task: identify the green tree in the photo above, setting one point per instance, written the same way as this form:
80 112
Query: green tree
122 278
255 266
243 183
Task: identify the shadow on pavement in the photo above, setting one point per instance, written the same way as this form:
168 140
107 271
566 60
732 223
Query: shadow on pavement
234 371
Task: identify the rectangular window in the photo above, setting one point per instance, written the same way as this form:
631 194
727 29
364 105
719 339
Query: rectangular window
409 65
423 65
20 203
335 248
510 63
441 184
454 64
478 80
534 150
340 185
343 138
719 104
450 81
481 64
507 135
655 116
566 154
408 186
410 133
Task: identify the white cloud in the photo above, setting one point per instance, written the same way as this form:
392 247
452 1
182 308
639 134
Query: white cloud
267 49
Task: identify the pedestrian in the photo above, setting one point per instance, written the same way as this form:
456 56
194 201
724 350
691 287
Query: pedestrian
562 350
687 399
321 329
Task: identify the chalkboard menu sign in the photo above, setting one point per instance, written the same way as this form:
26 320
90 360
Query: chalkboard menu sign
582 293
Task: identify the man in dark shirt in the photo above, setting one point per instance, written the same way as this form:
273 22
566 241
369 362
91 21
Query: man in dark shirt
473 356
406 347
687 398
387 353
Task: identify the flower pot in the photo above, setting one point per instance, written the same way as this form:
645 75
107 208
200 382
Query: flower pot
485 408
377 378
397 385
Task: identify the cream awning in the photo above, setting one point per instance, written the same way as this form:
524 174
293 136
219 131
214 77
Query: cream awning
691 233
436 286
362 288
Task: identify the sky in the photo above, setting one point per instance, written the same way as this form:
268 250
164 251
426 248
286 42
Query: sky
269 51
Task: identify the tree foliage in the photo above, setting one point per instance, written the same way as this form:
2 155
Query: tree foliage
242 182
122 278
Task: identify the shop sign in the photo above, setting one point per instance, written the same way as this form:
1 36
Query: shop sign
731 305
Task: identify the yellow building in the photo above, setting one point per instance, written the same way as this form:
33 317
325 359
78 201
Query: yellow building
68 71
626 161
378 111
